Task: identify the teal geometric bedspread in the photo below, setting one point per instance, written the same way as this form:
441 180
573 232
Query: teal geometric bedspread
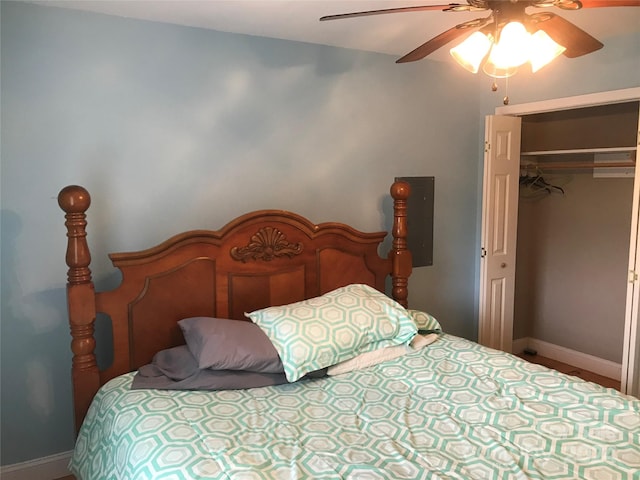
454 410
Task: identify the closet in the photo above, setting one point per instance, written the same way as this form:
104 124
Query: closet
575 286
574 225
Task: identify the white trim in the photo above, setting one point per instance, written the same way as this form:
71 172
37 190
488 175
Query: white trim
45 468
567 103
585 361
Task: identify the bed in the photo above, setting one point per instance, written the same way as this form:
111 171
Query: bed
401 400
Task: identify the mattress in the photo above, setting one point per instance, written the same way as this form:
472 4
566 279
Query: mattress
453 410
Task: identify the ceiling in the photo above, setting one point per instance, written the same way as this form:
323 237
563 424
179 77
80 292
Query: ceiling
297 20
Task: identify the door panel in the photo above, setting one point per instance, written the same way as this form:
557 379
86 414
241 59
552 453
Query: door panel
499 226
497 313
498 238
630 374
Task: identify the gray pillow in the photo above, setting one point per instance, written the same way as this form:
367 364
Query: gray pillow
222 344
176 369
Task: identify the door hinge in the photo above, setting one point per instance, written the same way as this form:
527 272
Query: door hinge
633 276
487 146
483 252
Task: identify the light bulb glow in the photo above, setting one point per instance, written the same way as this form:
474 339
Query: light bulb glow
512 49
495 71
515 47
543 50
470 53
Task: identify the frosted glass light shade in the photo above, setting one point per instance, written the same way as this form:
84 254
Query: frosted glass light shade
543 50
495 71
470 53
512 49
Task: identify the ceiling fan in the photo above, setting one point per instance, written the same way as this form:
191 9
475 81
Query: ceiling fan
569 39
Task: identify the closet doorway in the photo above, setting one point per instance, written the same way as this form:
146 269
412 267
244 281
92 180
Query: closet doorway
574 286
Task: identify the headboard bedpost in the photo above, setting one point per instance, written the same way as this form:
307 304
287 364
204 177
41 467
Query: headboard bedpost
400 255
75 201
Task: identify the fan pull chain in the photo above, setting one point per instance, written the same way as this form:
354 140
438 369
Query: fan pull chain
505 100
494 88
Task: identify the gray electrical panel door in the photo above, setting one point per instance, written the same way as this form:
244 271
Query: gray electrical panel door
420 219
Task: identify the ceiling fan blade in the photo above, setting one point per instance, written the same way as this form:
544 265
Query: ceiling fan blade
576 41
441 40
609 3
453 7
563 4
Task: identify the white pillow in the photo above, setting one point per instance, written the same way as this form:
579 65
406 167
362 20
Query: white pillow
425 322
370 359
325 330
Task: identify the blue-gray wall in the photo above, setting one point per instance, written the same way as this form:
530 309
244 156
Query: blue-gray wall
173 128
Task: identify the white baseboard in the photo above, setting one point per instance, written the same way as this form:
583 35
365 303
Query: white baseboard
585 361
45 468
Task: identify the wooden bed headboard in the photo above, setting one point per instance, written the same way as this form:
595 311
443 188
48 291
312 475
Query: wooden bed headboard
263 258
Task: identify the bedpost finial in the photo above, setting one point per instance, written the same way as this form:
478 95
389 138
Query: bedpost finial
74 199
400 190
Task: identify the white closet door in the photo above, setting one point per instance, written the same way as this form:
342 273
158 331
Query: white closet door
630 375
499 227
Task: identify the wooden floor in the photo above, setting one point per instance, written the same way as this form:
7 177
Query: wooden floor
571 370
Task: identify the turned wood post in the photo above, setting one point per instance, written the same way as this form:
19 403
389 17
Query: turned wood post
75 201
400 255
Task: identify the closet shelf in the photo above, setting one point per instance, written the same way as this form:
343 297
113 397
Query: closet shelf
580 159
577 165
577 151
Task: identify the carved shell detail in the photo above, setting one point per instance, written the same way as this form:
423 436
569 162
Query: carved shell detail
266 244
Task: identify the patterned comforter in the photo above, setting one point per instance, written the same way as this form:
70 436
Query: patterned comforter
454 410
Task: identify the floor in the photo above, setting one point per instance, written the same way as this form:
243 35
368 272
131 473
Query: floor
571 370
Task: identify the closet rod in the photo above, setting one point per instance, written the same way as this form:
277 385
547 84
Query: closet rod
578 165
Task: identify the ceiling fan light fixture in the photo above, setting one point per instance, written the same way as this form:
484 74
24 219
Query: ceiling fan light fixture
472 51
515 47
495 71
509 37
543 50
512 49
